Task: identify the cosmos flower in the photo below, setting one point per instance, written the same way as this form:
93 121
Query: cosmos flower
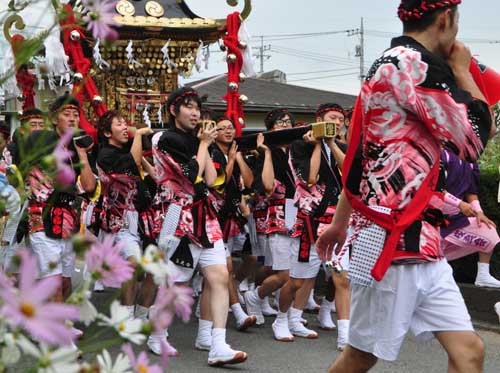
99 18
29 306
105 263
130 329
140 363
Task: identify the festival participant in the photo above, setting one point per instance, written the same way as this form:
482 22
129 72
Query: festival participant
278 185
31 120
51 205
184 171
237 176
469 230
417 95
315 164
259 205
126 207
4 136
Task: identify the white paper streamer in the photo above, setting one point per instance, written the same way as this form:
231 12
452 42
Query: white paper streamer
130 55
41 81
248 60
160 117
199 57
180 80
166 56
145 116
207 56
55 57
100 62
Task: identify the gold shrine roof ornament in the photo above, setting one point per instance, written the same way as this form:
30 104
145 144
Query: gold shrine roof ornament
154 9
125 8
173 14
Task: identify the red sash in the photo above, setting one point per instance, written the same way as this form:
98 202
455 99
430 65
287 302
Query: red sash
396 222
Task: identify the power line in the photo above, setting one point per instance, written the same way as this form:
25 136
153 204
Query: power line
300 35
321 71
313 54
322 77
330 59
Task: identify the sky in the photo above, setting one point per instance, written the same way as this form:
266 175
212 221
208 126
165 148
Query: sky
328 61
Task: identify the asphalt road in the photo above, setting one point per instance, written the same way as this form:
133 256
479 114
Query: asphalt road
268 355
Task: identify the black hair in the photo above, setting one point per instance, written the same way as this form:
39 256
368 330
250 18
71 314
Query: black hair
275 115
427 20
104 125
330 106
220 118
179 97
62 101
30 113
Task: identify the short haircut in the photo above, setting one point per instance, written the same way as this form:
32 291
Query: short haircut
277 114
104 124
427 20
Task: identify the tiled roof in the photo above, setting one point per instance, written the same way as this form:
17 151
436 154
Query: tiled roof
266 95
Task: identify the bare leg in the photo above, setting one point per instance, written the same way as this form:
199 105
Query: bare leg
465 351
262 273
147 292
273 283
330 290
352 360
66 287
246 268
288 292
233 293
342 295
205 311
217 279
302 295
129 288
58 295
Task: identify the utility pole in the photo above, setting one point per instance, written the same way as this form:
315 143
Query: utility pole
263 48
362 53
360 49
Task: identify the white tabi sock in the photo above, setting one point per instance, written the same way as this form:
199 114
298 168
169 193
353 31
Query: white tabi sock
218 338
238 312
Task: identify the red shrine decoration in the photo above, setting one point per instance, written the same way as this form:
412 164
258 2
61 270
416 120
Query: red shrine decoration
235 64
25 79
84 86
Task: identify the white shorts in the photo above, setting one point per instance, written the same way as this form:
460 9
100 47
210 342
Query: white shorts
55 257
129 237
132 244
280 246
265 249
423 298
202 257
304 270
235 243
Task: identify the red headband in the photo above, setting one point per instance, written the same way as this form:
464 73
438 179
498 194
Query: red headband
281 111
327 109
68 106
183 95
425 6
31 116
